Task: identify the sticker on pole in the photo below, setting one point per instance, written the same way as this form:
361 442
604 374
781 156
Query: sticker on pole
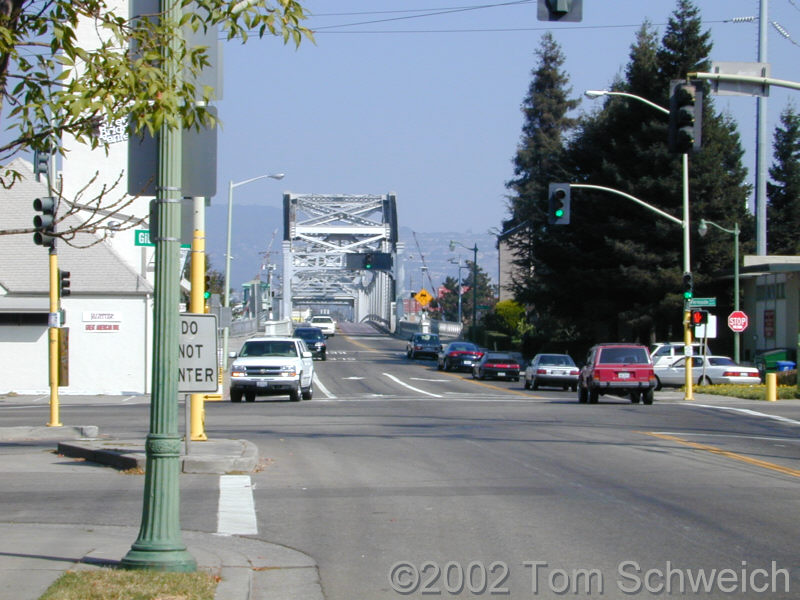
738 321
198 368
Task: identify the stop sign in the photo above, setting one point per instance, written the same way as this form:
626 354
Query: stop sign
738 321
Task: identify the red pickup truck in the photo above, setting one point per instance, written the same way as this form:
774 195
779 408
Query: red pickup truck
622 369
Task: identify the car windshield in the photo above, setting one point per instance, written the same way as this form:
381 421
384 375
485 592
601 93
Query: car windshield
309 334
427 338
269 348
321 320
556 360
628 356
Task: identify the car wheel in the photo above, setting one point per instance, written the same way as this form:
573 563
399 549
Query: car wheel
574 387
250 396
439 366
294 395
704 380
308 393
658 383
527 384
583 395
593 396
324 356
447 366
534 385
647 397
635 397
236 395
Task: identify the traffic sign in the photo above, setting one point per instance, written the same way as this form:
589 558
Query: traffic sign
702 302
198 369
423 297
738 321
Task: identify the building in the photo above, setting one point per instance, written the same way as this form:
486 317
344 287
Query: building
108 314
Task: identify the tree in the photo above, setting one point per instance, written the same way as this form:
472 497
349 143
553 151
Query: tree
538 161
484 291
783 193
52 88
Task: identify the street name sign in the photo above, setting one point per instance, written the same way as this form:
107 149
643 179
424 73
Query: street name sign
738 321
198 368
702 302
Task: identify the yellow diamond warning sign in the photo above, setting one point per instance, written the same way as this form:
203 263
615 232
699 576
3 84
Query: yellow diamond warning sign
423 297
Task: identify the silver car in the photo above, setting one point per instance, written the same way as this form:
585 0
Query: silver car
557 370
705 370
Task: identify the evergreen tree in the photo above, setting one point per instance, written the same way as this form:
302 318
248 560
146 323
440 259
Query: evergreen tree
783 193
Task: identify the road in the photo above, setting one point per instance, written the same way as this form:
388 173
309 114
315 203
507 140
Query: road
466 489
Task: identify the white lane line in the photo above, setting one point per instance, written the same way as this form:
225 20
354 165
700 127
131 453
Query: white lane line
396 380
322 388
747 411
236 513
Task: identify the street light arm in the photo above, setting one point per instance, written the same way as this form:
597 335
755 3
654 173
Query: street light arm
598 93
629 197
271 176
733 231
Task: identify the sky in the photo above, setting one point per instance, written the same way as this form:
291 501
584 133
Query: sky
422 97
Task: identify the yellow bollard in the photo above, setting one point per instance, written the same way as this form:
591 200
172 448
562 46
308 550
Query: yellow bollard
772 387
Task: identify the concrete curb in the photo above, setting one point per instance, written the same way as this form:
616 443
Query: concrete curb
23 434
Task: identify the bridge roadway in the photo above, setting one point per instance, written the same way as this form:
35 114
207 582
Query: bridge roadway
397 468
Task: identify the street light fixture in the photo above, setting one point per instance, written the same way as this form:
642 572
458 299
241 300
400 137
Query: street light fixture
227 290
474 250
460 266
687 268
703 230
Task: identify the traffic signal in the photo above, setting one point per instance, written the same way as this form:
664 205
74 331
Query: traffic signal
558 204
207 288
560 10
698 317
45 223
688 286
63 283
369 260
41 163
685 117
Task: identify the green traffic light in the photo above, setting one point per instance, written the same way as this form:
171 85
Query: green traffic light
560 213
206 295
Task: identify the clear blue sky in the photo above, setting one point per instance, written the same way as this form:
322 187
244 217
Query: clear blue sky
429 107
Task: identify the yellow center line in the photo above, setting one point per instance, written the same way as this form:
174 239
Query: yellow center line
732 455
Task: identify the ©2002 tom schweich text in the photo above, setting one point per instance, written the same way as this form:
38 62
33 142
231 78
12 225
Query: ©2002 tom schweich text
629 578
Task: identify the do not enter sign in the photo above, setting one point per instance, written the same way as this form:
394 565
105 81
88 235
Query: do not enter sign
738 321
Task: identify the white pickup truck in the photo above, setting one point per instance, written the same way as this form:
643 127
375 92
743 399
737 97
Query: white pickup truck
272 366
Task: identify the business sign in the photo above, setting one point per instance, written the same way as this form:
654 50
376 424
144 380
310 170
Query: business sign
198 365
101 321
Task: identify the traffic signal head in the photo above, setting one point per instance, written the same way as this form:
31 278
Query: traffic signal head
207 288
698 317
369 260
688 286
685 117
63 283
559 10
45 223
558 204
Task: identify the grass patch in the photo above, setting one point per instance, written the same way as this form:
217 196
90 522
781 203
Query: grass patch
115 584
747 392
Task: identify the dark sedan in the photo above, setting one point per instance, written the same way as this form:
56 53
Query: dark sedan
423 344
496 365
459 356
314 339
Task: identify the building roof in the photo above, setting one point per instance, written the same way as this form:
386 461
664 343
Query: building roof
24 266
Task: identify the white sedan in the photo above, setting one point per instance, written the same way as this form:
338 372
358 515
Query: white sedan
324 322
705 370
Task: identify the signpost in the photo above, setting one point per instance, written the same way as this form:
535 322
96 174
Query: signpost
738 321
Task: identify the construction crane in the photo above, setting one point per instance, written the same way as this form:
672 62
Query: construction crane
424 264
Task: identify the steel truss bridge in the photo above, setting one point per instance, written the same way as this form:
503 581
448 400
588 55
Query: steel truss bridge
322 233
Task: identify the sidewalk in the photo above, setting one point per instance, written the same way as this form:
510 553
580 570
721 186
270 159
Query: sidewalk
34 555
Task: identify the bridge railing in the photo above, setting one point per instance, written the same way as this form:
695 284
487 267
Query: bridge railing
444 329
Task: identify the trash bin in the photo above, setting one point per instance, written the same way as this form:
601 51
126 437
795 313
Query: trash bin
785 365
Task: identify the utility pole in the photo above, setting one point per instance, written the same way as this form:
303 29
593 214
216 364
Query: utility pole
159 545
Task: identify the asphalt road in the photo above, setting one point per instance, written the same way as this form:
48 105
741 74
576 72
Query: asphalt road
465 489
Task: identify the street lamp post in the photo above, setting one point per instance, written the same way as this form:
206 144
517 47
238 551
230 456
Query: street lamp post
474 250
703 229
227 290
460 266
687 265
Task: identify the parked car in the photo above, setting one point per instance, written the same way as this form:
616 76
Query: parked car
666 353
706 369
423 344
496 365
557 370
459 356
269 366
324 322
617 369
314 339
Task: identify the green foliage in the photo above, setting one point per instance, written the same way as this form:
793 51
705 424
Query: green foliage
615 272
783 193
52 87
747 392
